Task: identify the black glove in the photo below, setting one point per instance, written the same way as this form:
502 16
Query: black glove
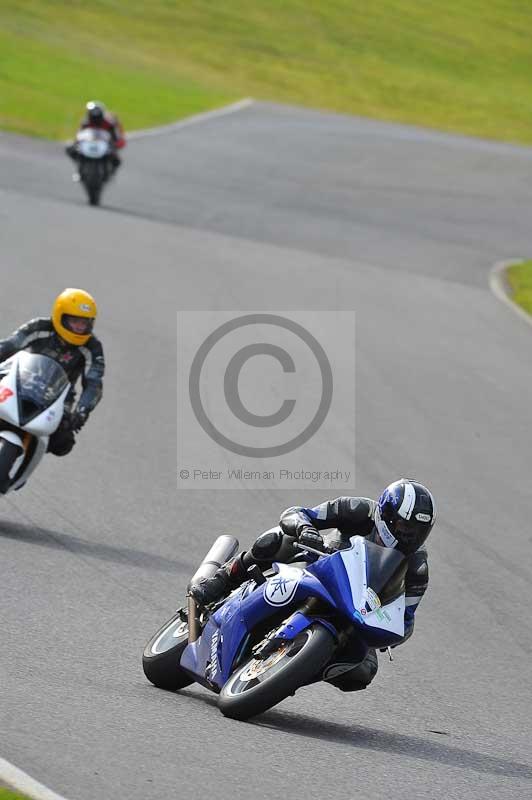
78 419
311 538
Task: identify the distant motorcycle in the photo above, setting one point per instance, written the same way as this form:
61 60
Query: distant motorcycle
277 633
94 154
33 389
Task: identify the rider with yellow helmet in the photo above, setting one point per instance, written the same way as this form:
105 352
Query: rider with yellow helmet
66 336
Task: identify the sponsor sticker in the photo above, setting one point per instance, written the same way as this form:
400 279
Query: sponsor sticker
5 394
280 590
213 663
372 599
382 614
85 307
423 517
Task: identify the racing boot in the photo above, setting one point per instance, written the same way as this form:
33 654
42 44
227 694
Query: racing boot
349 677
225 579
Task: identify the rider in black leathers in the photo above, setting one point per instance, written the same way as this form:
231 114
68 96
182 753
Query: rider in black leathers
403 518
79 352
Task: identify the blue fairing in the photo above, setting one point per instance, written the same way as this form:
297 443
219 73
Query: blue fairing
211 659
332 574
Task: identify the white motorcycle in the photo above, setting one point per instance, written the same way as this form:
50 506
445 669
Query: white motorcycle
33 389
94 151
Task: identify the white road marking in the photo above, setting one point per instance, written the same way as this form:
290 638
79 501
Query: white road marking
498 286
18 780
184 123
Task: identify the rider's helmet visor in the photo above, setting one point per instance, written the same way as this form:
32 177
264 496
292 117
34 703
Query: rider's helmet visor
78 325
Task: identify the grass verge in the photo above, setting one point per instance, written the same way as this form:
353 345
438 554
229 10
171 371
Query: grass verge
519 277
462 65
8 794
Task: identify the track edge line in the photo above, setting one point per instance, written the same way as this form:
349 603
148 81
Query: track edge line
203 116
498 287
20 781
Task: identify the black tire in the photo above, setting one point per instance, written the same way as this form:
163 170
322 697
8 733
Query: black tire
94 196
9 453
293 665
92 177
160 660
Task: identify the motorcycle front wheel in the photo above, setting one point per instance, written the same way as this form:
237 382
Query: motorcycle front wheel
8 455
161 656
261 683
92 178
94 195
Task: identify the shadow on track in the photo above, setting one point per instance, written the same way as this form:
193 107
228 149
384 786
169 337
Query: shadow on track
44 537
395 743
161 219
400 744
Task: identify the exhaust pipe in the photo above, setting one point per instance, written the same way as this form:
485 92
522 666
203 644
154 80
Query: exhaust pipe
224 548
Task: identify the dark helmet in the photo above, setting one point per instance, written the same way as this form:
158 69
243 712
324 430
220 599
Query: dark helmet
95 110
405 515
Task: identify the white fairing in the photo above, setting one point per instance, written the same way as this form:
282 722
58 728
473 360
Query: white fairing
40 450
8 393
355 565
46 423
41 427
93 144
390 617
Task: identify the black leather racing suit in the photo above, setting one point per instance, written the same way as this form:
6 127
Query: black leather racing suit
351 516
79 361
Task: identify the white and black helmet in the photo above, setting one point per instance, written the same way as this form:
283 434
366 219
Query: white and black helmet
95 110
405 515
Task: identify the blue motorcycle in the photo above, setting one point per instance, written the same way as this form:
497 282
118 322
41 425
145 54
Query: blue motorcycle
279 630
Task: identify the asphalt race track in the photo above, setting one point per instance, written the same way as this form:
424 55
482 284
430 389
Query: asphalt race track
274 208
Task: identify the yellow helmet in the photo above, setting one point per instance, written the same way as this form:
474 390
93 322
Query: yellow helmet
73 315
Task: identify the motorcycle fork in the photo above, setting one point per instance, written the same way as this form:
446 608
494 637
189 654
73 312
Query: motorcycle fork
271 642
26 441
194 627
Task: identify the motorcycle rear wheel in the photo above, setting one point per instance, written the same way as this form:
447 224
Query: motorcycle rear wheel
258 684
161 656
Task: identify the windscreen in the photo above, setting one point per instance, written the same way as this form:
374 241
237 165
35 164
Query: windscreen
40 381
385 570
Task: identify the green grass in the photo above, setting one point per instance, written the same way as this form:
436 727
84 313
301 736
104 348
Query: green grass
519 278
7 794
459 65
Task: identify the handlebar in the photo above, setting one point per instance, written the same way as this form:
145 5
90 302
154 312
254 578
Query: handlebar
320 553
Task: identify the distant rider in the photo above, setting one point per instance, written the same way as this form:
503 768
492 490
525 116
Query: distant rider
97 116
402 518
66 337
